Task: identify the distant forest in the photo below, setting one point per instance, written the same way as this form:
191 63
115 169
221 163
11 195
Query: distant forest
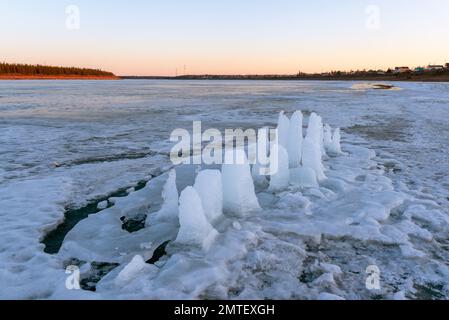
27 69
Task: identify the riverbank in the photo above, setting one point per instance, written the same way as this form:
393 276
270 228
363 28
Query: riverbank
55 77
408 77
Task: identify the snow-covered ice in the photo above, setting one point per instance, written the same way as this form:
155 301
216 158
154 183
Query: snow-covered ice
383 201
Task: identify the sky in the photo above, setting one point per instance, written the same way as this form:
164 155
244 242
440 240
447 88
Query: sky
169 37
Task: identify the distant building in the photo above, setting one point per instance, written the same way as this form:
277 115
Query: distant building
420 69
401 70
434 67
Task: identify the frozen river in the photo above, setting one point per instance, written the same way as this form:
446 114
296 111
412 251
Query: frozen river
65 144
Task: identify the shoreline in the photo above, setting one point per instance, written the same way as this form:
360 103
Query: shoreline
409 78
393 78
55 77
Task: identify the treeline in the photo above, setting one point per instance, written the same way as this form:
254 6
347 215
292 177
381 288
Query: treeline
28 69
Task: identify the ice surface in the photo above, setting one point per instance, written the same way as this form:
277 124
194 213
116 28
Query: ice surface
101 237
209 186
239 195
295 139
194 227
384 202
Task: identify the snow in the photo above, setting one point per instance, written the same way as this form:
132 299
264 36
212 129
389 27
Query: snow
194 227
239 196
383 202
209 186
295 138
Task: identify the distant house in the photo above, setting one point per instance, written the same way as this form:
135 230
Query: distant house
420 69
401 70
434 67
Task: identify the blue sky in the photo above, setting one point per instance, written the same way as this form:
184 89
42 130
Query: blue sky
284 36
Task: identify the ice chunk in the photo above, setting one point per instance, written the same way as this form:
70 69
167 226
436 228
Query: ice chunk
303 177
283 129
326 279
102 205
335 147
295 139
331 268
315 132
280 180
169 209
263 141
408 251
131 270
311 157
130 190
260 181
329 296
400 295
194 227
239 196
332 140
209 186
258 170
327 137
